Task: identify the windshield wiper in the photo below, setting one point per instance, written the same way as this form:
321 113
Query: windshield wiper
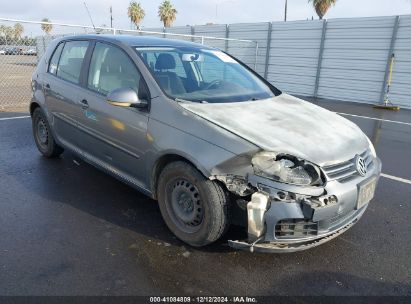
188 101
182 100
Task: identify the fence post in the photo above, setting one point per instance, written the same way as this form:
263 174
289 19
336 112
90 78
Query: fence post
44 44
267 52
256 56
391 50
320 59
193 32
227 34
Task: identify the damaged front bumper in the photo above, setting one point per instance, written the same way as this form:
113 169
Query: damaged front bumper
289 218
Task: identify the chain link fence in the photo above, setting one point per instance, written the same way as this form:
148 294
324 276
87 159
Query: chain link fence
22 43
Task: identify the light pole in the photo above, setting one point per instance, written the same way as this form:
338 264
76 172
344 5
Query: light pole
111 17
285 10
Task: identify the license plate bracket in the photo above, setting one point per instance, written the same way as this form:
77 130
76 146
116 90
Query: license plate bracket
366 192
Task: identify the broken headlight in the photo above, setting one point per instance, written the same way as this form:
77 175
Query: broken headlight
285 168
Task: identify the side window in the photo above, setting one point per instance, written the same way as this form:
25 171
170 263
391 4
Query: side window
111 68
54 61
71 60
150 58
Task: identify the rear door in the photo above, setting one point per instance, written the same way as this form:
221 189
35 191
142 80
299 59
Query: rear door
61 85
115 137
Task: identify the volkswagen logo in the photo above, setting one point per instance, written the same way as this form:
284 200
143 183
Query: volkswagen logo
360 165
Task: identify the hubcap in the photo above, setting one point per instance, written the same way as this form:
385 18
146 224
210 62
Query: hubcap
186 204
42 132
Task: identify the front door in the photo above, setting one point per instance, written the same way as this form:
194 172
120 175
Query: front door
115 137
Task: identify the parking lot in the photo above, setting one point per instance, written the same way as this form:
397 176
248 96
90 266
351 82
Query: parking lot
15 78
69 229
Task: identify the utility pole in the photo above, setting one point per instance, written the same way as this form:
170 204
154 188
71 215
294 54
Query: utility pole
111 17
285 10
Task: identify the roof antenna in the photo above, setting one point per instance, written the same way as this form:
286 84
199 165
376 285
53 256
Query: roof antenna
88 12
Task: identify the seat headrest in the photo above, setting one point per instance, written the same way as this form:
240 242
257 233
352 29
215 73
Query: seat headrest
165 62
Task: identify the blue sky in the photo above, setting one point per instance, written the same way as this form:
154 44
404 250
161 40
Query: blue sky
194 11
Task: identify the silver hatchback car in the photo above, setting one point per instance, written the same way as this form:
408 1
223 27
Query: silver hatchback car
208 138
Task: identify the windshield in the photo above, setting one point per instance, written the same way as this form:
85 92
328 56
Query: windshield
202 75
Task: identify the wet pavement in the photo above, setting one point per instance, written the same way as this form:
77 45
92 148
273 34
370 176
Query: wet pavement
68 229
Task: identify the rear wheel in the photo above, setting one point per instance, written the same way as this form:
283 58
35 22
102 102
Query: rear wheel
194 208
42 135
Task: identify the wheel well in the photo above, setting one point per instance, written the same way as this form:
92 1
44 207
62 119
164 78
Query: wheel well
160 165
33 106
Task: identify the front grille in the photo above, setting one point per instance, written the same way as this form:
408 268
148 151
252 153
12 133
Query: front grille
346 171
295 228
335 220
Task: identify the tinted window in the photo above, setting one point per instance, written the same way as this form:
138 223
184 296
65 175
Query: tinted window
71 59
55 59
110 69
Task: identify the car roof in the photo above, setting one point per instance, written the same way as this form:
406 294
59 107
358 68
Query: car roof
131 40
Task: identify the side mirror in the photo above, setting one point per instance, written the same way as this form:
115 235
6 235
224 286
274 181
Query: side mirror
125 97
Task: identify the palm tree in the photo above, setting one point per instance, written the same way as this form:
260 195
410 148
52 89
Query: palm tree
18 31
7 32
136 13
46 27
167 13
322 6
3 32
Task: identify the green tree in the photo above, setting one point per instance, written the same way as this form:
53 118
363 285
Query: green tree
136 13
18 30
47 28
167 13
322 6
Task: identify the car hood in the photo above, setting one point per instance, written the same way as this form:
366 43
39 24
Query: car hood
286 124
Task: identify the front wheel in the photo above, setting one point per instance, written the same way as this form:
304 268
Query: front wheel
42 135
194 208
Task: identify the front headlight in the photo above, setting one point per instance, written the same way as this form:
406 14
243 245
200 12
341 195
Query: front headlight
285 168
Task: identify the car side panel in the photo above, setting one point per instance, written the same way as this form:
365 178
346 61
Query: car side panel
114 135
172 130
61 101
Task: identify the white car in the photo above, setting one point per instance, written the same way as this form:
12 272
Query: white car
30 52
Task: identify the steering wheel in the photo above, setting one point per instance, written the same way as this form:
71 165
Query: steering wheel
214 83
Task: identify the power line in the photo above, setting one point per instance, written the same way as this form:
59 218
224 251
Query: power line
88 12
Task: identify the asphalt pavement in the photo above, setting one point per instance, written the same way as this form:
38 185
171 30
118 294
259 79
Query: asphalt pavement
67 228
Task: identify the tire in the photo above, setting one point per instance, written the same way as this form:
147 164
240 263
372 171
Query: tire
180 187
43 136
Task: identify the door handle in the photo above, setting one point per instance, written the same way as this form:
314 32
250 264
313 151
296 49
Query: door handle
47 87
84 104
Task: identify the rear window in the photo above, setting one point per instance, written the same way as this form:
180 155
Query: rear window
71 60
54 61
